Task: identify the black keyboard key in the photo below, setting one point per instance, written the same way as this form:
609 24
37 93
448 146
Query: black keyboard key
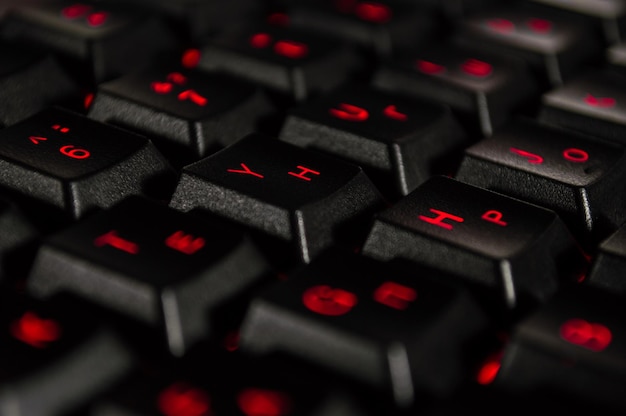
487 238
577 176
76 165
483 89
30 82
397 140
555 47
300 197
593 103
96 41
609 264
152 263
55 358
571 346
401 330
189 114
379 27
294 64
18 236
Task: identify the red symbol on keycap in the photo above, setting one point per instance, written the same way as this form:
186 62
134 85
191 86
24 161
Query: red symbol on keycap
576 155
303 172
428 67
35 331
193 96
373 12
501 25
349 112
177 78
593 336
185 243
392 112
532 158
477 68
162 87
539 25
36 139
97 18
440 218
191 58
73 152
260 40
182 399
600 102
325 300
245 171
60 129
112 239
261 402
489 370
494 216
291 49
395 295
82 10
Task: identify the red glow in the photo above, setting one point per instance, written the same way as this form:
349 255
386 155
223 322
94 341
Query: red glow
193 96
501 25
88 100
477 68
245 171
75 153
600 102
429 68
231 341
58 128
291 49
35 331
260 402
592 336
373 12
303 172
182 399
177 78
576 155
439 219
260 40
539 25
325 300
395 295
185 243
349 112
161 87
532 158
37 139
494 216
112 239
76 10
392 112
97 18
489 370
278 19
191 58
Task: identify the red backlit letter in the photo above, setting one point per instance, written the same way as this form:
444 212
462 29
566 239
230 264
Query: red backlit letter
373 12
391 112
112 239
600 102
533 159
245 171
185 243
328 301
35 331
439 219
428 67
193 96
303 172
395 295
70 151
291 49
181 399
349 112
594 337
476 68
258 402
494 216
501 25
575 155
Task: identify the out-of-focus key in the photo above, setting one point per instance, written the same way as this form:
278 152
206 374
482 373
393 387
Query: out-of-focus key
158 266
300 197
18 237
401 330
609 264
397 140
577 176
517 249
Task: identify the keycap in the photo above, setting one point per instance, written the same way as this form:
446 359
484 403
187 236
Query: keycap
73 165
372 322
513 247
97 41
397 140
18 236
294 64
572 345
158 266
483 89
303 199
577 176
188 113
616 56
30 82
592 103
379 27
53 358
609 263
608 15
554 46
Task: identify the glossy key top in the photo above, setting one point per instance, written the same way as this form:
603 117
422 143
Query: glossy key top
511 246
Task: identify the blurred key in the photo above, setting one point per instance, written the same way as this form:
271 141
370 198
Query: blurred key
517 249
299 197
189 114
94 40
160 267
18 237
401 330
75 165
609 264
577 176
397 140
483 89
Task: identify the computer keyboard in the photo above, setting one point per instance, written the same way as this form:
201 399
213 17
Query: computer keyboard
312 208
